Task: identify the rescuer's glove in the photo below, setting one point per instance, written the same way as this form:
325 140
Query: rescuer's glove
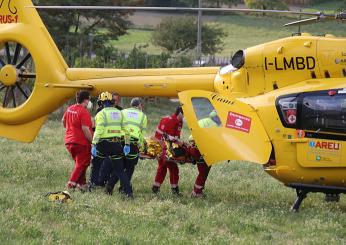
126 150
93 151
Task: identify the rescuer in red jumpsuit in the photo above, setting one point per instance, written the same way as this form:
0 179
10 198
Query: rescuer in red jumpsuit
203 169
78 137
169 129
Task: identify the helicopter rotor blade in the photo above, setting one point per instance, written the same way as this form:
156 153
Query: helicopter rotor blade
2 63
16 53
2 87
319 15
27 75
5 101
22 91
26 58
13 97
176 9
303 22
8 54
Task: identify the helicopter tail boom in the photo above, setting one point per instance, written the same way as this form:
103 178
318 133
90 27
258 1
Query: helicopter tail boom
148 82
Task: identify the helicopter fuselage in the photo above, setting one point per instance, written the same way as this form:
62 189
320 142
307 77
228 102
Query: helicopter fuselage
285 81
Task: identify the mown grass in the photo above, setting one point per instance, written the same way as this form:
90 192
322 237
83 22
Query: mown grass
243 204
245 31
138 38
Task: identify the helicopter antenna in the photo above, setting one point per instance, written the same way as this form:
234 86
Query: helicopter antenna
299 27
318 16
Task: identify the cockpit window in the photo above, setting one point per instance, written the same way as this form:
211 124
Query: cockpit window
205 112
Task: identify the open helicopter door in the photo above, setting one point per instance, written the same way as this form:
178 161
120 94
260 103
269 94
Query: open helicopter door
225 129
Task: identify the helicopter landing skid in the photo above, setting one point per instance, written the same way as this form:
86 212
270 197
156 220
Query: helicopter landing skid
301 195
304 189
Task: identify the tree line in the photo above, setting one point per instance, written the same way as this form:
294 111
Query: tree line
88 33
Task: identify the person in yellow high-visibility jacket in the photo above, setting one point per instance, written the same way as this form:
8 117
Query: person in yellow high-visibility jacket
108 142
135 124
212 120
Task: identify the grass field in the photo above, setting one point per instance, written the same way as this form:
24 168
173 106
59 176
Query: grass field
138 38
242 30
243 204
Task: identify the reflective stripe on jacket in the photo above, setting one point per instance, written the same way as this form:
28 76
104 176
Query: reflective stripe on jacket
207 123
109 124
135 123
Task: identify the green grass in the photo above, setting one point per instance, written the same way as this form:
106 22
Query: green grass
136 38
243 205
328 7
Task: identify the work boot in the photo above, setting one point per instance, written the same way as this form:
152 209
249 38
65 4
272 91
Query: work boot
129 196
197 195
82 188
71 186
121 190
175 191
109 190
91 187
155 189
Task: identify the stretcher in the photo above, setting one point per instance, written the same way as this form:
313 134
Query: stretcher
155 149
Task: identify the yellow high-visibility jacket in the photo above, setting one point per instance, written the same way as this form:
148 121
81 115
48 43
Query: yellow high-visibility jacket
135 124
109 124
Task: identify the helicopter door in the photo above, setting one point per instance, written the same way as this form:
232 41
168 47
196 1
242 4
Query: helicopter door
322 121
225 129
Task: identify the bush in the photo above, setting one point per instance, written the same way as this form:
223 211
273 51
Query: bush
180 34
135 59
266 4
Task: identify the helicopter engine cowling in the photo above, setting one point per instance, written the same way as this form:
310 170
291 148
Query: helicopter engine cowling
273 65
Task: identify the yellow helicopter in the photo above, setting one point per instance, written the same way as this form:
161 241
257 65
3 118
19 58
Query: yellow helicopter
281 104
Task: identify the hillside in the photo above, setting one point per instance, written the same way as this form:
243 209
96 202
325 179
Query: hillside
243 30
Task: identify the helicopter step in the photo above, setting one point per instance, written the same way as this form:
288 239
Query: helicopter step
332 193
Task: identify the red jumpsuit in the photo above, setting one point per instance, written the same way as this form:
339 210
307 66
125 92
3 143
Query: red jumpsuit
76 143
169 129
203 170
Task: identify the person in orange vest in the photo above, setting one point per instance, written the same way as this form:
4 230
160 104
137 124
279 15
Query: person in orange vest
169 129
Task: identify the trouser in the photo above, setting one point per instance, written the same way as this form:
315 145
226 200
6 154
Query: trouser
105 171
113 151
96 163
81 156
100 171
203 172
130 162
162 167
